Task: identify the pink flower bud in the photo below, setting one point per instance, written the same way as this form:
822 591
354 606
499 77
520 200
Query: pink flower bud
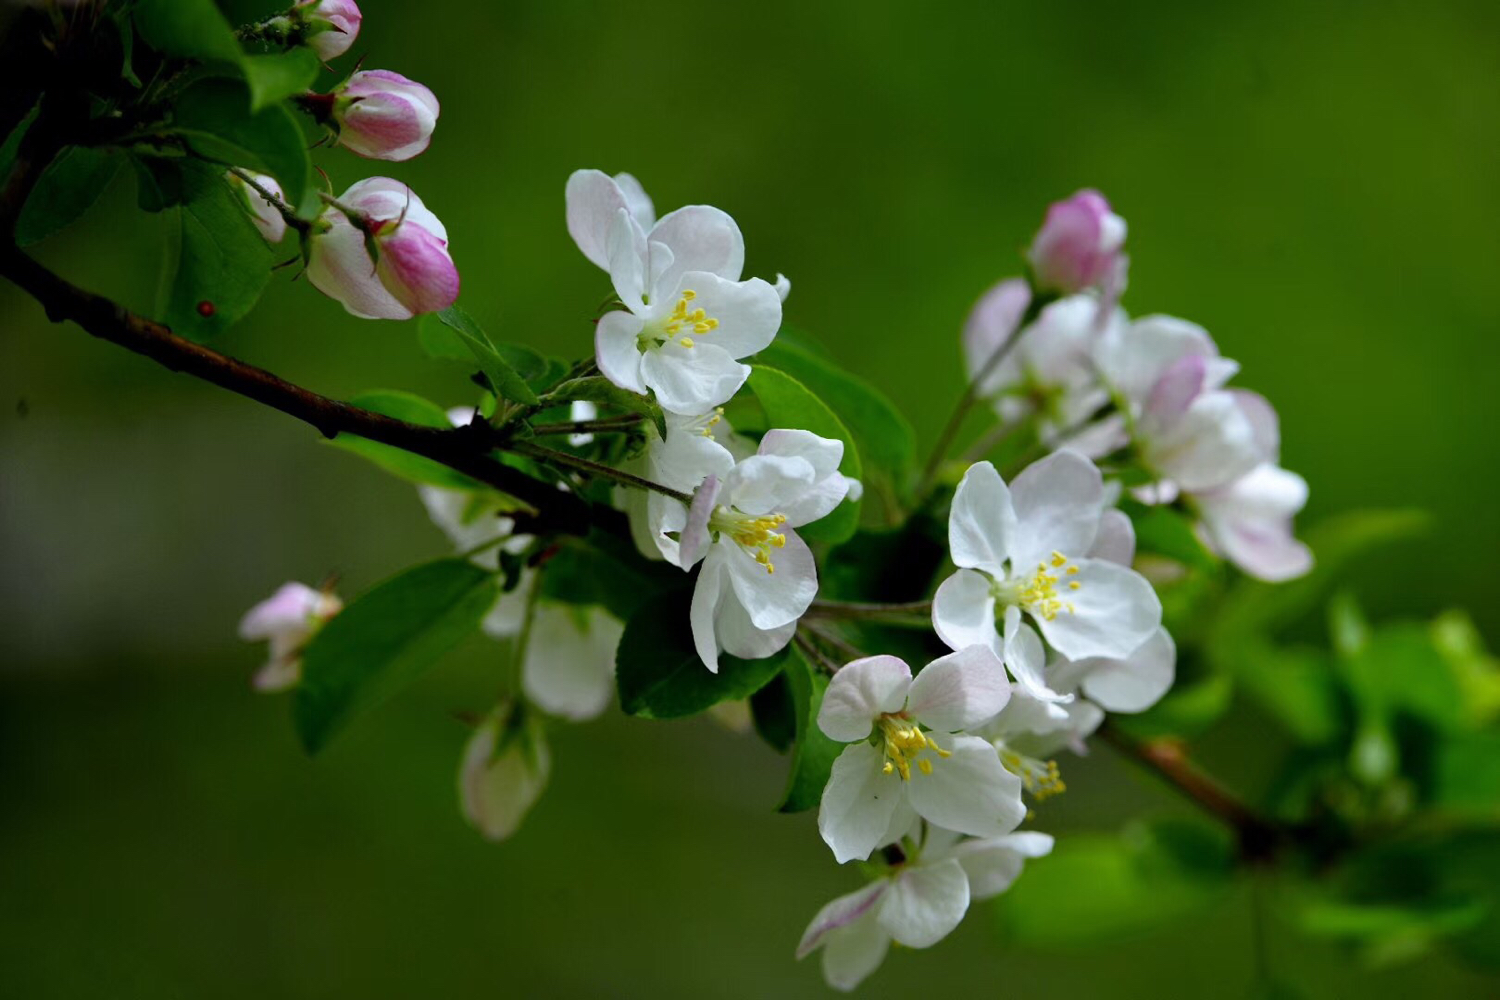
411 271
1079 246
333 25
267 217
384 116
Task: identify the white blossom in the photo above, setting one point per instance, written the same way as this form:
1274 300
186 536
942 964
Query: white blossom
287 619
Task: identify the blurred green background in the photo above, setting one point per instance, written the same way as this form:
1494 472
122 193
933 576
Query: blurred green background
1313 183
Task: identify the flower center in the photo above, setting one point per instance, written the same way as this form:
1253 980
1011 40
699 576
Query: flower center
1041 778
679 323
755 533
1039 593
904 741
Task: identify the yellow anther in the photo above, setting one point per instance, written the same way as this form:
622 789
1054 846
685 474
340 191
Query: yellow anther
688 295
931 745
1072 570
924 765
1058 559
1073 585
1038 593
686 341
1040 778
888 768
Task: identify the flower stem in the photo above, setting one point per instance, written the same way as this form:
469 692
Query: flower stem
566 460
909 613
608 426
815 656
301 225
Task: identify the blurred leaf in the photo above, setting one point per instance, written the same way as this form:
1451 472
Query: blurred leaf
790 404
1095 888
1186 711
658 671
1296 685
1469 864
384 640
213 116
606 570
1473 669
193 29
1168 532
774 713
413 468
1347 628
126 28
598 389
813 753
216 263
1466 774
12 142
888 445
68 188
278 76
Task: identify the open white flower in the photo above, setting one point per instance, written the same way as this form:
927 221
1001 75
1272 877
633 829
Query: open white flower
918 903
1249 522
288 619
688 316
569 668
694 449
1023 552
894 768
504 769
758 576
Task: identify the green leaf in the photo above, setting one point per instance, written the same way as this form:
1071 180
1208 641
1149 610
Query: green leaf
1164 531
790 404
503 377
413 468
193 29
12 143
1095 888
774 713
278 76
659 674
1296 685
216 264
385 640
598 389
214 117
813 753
67 189
606 570
126 29
888 445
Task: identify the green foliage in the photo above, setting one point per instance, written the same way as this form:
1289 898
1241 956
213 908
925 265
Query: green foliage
191 29
461 338
216 263
385 640
790 404
813 753
413 468
605 570
598 389
1097 887
1189 709
68 188
659 674
1165 531
213 116
280 75
774 714
888 445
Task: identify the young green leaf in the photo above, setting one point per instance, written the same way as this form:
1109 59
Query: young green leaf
413 468
385 640
216 265
214 117
193 29
790 404
774 714
502 372
813 753
659 674
280 75
68 188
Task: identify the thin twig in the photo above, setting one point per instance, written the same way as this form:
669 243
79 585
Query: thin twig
815 656
832 639
918 612
562 458
609 426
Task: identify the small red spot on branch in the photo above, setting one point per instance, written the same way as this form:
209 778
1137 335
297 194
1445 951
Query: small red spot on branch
206 309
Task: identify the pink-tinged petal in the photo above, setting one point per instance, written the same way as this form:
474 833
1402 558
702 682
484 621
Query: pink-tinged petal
839 913
693 543
963 612
1264 423
1135 683
338 21
1079 244
416 269
1135 358
701 238
969 791
982 521
339 266
860 693
960 690
1112 612
383 115
851 953
594 199
617 349
1250 523
994 864
1175 391
291 608
925 903
859 800
1058 502
991 323
386 199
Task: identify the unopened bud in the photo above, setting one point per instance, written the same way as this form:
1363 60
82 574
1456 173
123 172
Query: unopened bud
331 25
383 115
266 216
1079 246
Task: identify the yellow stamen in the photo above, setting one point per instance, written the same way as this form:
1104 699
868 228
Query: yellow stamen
757 534
686 341
1039 777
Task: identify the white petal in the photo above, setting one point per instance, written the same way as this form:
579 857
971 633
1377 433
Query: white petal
960 690
636 199
627 260
841 912
1116 539
280 674
508 615
617 351
963 612
982 521
748 312
290 609
763 484
739 636
851 953
783 286
1137 357
687 456
498 791
859 800
593 199
969 791
823 454
340 267
702 238
995 863
570 660
925 903
692 380
773 599
1058 502
1114 611
1135 683
991 323
708 592
820 500
1027 660
860 693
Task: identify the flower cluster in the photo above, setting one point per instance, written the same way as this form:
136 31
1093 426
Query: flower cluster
1046 622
